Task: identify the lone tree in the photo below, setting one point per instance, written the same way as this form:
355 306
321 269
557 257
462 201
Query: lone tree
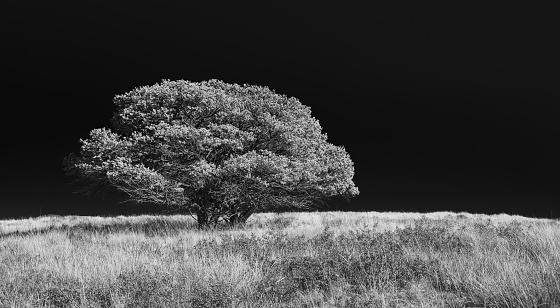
217 150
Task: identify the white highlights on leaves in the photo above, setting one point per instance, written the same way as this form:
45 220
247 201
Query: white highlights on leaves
236 144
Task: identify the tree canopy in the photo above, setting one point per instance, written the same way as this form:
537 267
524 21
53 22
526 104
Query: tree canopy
216 150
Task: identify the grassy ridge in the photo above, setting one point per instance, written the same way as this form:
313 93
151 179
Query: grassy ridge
282 260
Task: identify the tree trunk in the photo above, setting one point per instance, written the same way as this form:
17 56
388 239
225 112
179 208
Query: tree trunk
202 212
241 218
202 218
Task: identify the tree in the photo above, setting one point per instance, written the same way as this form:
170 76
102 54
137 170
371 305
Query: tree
216 150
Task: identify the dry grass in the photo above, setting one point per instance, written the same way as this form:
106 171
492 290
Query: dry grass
331 259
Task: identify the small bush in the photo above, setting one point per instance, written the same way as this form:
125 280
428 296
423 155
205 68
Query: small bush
511 231
211 295
485 228
143 288
280 242
280 222
250 247
365 260
306 273
387 271
59 297
427 236
275 284
43 288
98 296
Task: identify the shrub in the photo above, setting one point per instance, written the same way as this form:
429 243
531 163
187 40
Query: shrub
211 295
275 284
306 273
144 288
280 222
59 297
99 296
424 235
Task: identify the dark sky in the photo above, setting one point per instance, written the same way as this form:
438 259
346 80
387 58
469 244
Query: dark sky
442 105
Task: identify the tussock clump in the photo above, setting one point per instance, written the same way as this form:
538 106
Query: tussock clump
377 260
281 222
512 231
426 235
99 296
306 273
251 247
211 295
360 260
144 288
41 287
59 297
274 284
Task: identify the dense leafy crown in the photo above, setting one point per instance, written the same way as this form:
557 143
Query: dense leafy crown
215 147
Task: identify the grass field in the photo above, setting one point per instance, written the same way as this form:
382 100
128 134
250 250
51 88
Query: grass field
331 259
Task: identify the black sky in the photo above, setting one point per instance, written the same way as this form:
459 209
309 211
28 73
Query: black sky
443 105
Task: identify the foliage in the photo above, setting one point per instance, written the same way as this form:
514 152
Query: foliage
217 150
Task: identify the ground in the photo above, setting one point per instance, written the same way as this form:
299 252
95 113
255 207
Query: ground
319 259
